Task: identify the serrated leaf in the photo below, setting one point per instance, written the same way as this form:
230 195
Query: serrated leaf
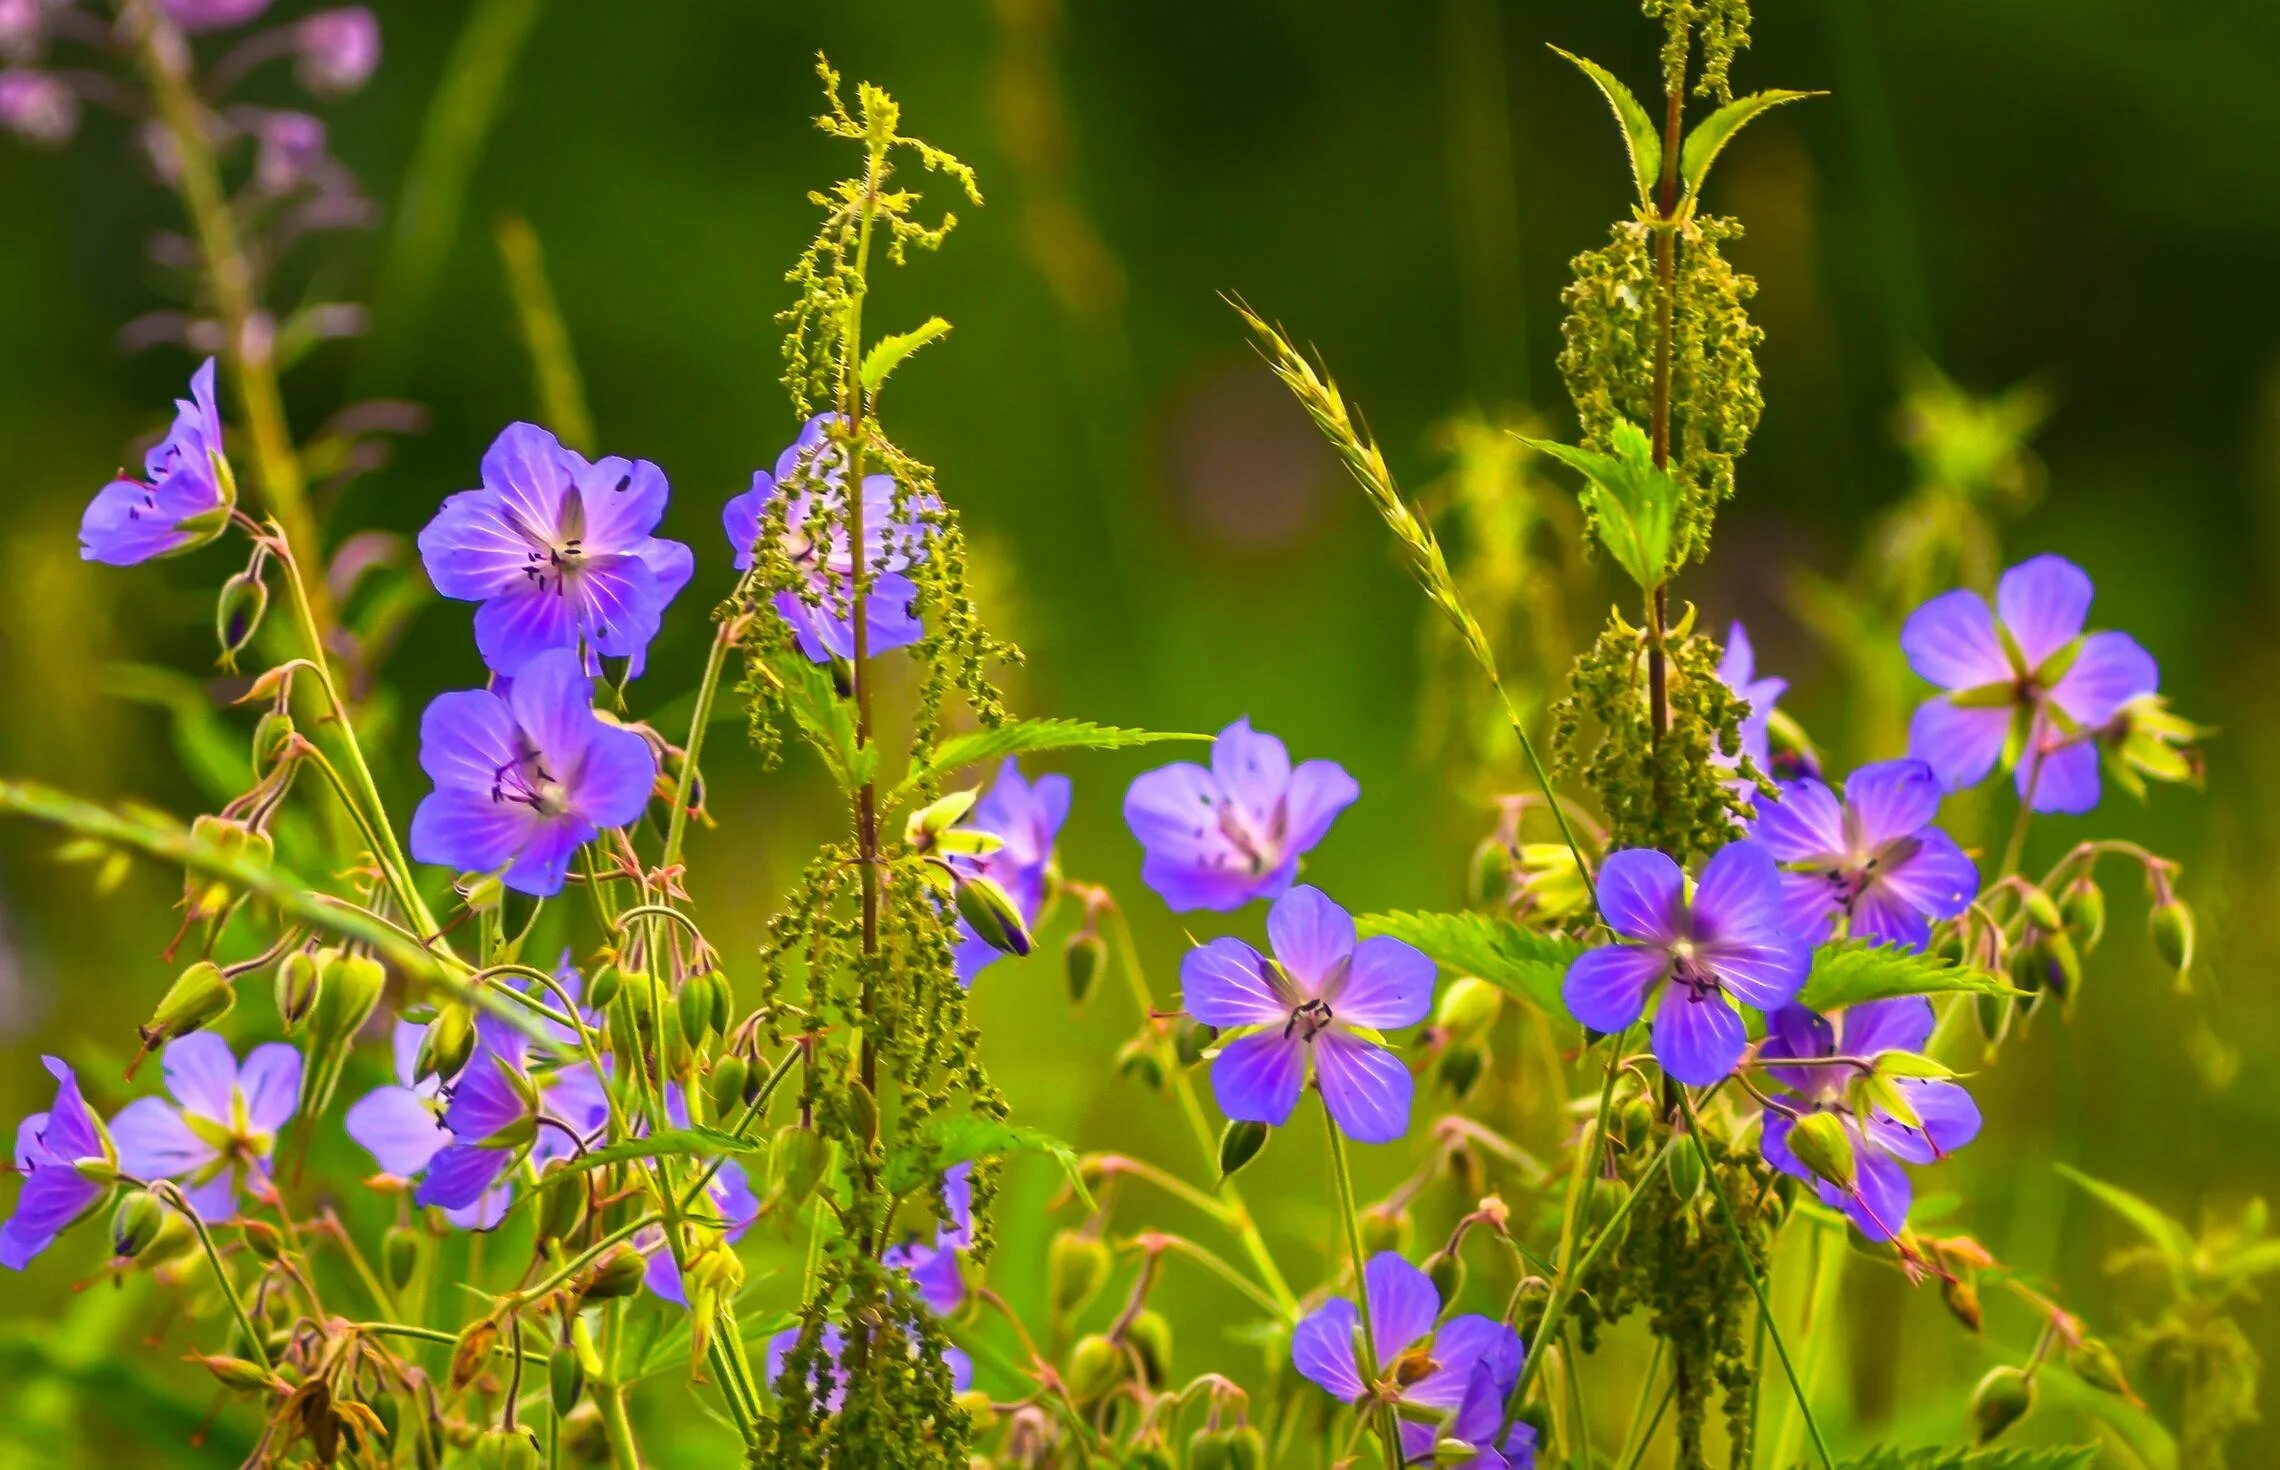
823 717
1640 140
1633 504
1965 1457
2172 1239
888 353
1015 737
1849 972
955 1138
1713 133
1528 964
668 1143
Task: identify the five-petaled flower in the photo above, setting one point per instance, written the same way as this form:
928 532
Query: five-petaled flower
506 1108
216 1138
50 1148
1322 996
814 537
1945 1116
558 551
2025 686
1025 816
1217 838
524 779
184 500
1730 940
1423 1368
1874 860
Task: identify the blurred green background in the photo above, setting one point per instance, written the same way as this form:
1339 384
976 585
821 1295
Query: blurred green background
2080 194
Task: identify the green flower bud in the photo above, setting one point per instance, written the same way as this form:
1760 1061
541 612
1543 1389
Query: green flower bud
483 893
348 990
1139 1060
449 1042
297 978
993 916
1082 960
240 1376
1468 1007
1607 1202
1685 1168
1151 1336
200 996
696 1006
402 1250
1822 1144
1386 1229
135 1223
1460 1068
1491 874
617 1274
1151 1455
506 1449
1096 1366
1076 1267
262 1238
604 989
1447 1270
797 1159
1191 1039
2084 905
565 1378
929 822
2172 926
1993 1013
561 1204
725 1086
2041 911
237 615
862 1111
1961 1294
2098 1365
2001 1400
272 737
1239 1143
1236 1448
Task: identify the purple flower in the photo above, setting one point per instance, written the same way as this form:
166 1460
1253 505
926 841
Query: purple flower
1026 817
49 1147
558 551
401 1126
1218 838
185 501
503 1110
1730 940
814 538
933 1268
734 1205
289 150
212 15
1322 996
21 26
216 1138
2025 687
1946 1117
337 50
522 781
834 1344
1473 1427
37 108
1876 861
1738 670
1420 1367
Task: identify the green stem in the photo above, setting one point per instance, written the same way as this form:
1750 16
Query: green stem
1831 1256
1389 1428
435 1334
677 825
246 1329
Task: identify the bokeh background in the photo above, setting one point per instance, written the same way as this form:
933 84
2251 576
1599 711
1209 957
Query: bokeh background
2077 195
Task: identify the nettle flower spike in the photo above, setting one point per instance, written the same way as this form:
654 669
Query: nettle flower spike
1903 1119
1219 838
1873 860
933 1266
2026 687
1728 941
184 500
1322 1000
217 1136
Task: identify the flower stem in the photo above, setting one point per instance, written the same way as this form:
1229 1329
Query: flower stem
1389 1428
677 826
246 1329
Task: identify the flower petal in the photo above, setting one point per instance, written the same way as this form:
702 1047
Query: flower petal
1190 863
1763 973
466 737
154 1143
458 1176
1228 983
1960 744
1313 938
124 525
1698 1037
1462 1347
623 500
1739 895
398 1127
1251 768
1880 916
201 1072
1606 988
469 831
1902 1023
52 1199
1949 1116
1880 1197
270 1083
1951 642
1319 791
474 549
2110 670
2042 602
1890 800
1937 877
740 518
530 472
2061 779
1389 985
1642 893
1322 1349
522 622
1257 1077
553 703
69 1129
1809 906
1806 825
614 784
1795 1031
1365 1087
1403 1303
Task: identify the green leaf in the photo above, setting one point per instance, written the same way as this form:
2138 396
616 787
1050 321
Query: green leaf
1964 1457
2172 1239
1713 133
954 1138
668 1143
1849 972
888 353
1529 965
824 718
1016 736
1634 505
1640 139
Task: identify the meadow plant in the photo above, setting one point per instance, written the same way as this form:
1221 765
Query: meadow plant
1696 1025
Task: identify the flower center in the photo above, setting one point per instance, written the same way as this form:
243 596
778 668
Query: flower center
525 781
1261 850
1308 1019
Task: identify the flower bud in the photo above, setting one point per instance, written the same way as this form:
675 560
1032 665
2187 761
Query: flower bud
1468 1007
1151 1336
262 1238
1191 1039
561 1204
1082 960
482 893
1607 1202
1385 1228
797 1158
402 1250
617 1274
200 996
1491 874
1237 1448
2041 911
1465 1173
2096 1364
135 1223
608 980
337 50
862 1111
297 978
1822 1144
1460 1068
348 989
726 1084
1152 1454
1446 1268
1961 1294
991 913
565 1378
1139 1060
2002 1398
2084 905
506 1449
2172 927
1096 1366
272 737
1076 1267
449 1042
238 613
1685 1168
238 1375
1993 1013
696 1005
1239 1143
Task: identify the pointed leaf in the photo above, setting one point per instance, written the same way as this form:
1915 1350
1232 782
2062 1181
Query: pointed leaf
1529 965
2171 1238
1633 504
1849 972
954 1138
669 1143
1640 140
1713 133
888 353
823 717
1016 736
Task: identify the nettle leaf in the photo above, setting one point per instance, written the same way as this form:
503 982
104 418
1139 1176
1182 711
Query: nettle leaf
1640 139
669 1143
1529 965
2172 1239
1965 1457
955 1138
1633 504
823 717
1713 133
888 353
1017 736
1850 971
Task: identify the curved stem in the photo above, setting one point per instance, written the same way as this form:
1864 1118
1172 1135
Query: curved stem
1389 1428
222 1278
677 825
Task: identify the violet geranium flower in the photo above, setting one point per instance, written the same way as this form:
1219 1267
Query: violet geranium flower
1421 1366
1874 860
814 537
1218 838
1946 1117
401 1126
504 1110
933 1267
1324 996
558 551
1730 941
50 1147
216 1138
523 780
1467 1440
182 504
1026 817
2024 685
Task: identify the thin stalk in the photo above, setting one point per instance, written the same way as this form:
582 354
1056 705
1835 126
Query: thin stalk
678 825
1555 1310
1389 1428
866 798
434 1334
1218 1267
1831 1256
246 1329
1666 273
1638 1451
1635 1438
